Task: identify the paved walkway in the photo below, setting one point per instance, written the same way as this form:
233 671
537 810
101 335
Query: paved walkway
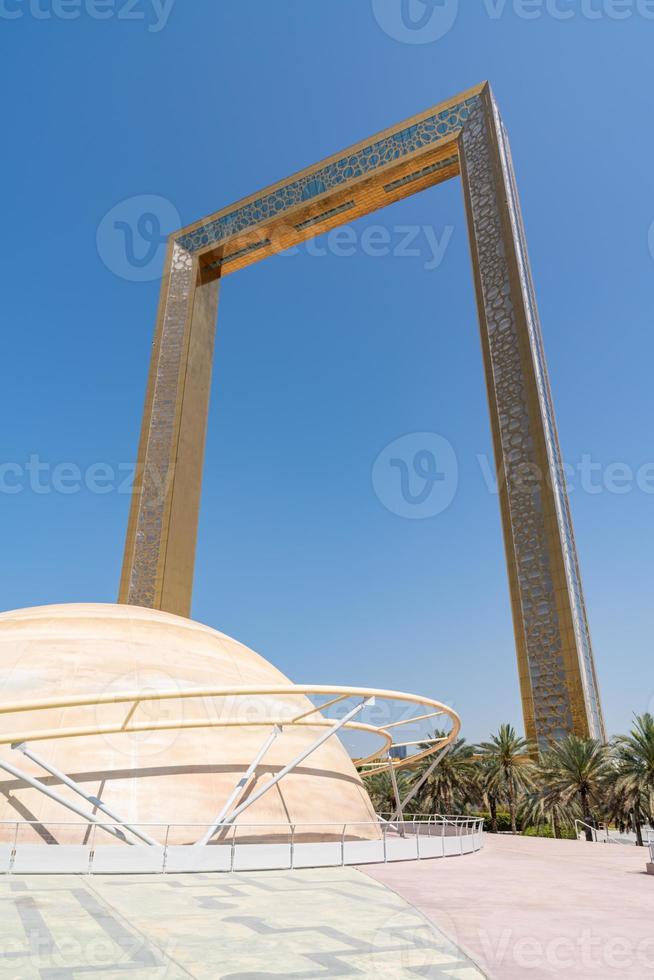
530 909
321 923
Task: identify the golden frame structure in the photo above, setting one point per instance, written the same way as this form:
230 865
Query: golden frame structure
463 136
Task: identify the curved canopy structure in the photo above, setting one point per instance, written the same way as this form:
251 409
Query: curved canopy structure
151 718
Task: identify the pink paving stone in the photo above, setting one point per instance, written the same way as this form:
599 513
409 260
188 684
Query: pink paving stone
533 908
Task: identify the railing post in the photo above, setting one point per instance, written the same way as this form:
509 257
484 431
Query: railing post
416 827
385 834
292 826
12 856
232 856
164 866
93 828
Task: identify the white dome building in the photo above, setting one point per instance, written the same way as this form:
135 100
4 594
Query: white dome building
175 775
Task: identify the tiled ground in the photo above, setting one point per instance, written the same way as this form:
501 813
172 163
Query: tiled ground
321 923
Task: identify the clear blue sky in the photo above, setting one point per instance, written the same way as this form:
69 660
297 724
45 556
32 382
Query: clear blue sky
325 359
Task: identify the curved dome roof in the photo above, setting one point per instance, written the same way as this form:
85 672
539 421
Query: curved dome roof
169 776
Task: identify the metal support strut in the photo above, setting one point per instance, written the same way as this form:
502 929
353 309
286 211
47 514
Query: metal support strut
22 747
240 786
296 762
396 792
90 817
423 779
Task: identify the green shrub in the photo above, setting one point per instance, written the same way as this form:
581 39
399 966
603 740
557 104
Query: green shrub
546 831
503 821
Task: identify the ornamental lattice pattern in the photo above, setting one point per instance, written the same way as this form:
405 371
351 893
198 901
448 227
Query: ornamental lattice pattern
158 463
530 545
556 472
363 162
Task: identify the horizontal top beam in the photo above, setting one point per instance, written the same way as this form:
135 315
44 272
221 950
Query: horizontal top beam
386 166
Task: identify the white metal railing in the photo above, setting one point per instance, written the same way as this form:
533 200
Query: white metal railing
431 817
93 848
601 833
595 829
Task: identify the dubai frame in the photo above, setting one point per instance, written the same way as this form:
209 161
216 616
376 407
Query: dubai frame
465 136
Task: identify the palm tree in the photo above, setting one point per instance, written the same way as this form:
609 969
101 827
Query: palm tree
452 785
488 793
634 778
508 770
577 769
381 793
619 805
540 807
575 778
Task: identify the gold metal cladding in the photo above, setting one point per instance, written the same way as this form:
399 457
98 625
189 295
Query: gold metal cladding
462 136
365 195
136 698
161 541
363 186
556 665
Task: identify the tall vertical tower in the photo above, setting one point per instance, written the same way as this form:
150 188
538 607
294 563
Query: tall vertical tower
555 659
464 136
